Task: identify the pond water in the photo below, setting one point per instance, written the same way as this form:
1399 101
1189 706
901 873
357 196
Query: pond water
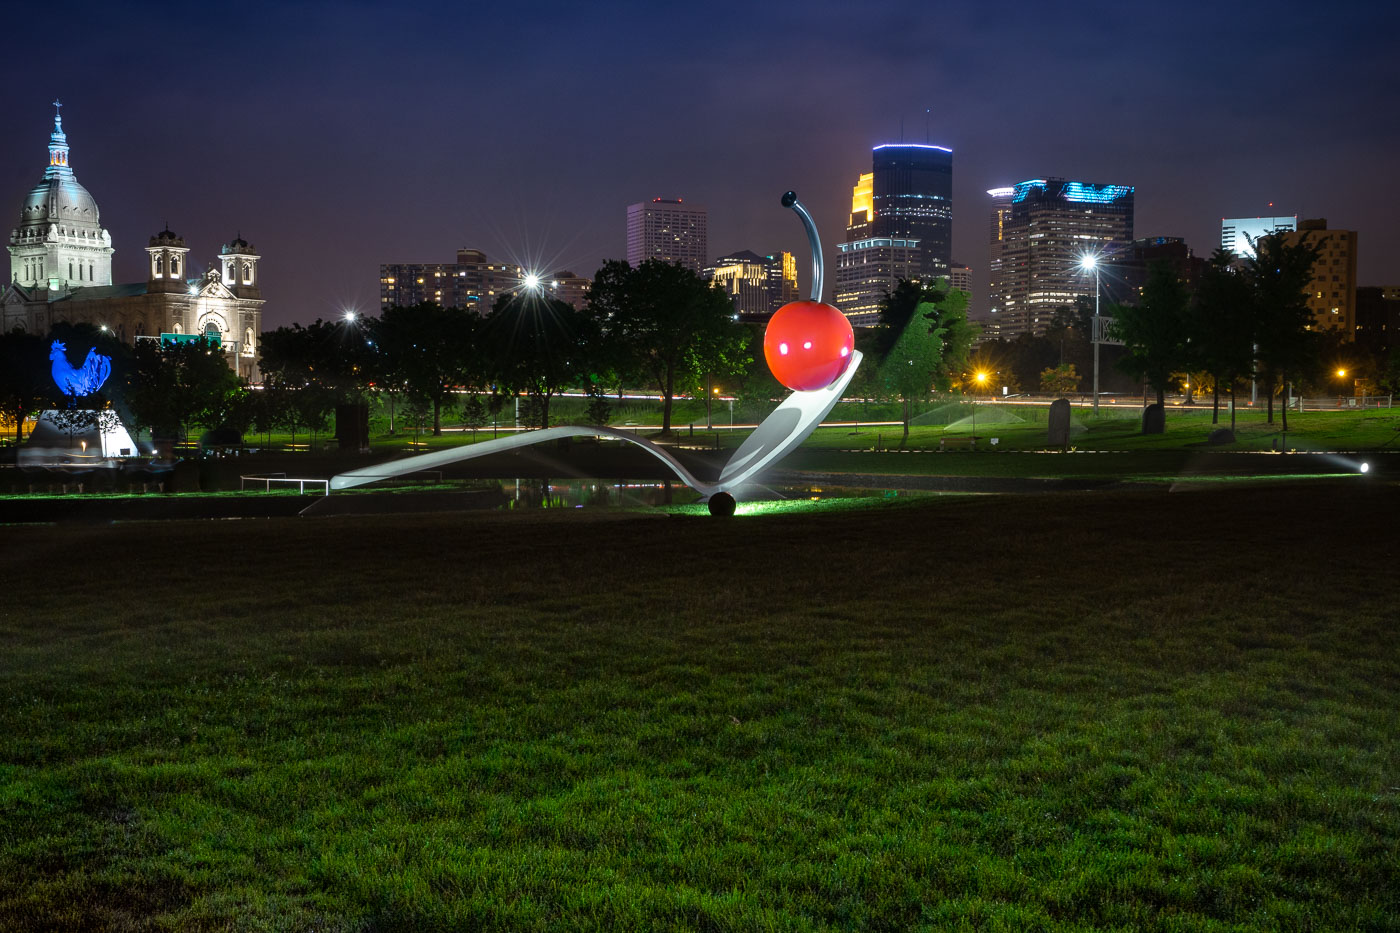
574 494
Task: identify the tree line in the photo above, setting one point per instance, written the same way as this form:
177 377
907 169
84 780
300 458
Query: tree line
663 327
1246 320
656 326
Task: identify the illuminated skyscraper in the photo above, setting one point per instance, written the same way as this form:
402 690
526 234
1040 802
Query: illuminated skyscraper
900 226
1332 292
473 282
744 278
1041 230
862 208
867 270
1237 232
757 285
960 277
671 231
912 197
782 279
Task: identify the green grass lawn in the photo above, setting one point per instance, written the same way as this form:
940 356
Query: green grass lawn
1116 427
1107 711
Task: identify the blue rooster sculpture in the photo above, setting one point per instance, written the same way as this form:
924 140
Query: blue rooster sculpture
85 379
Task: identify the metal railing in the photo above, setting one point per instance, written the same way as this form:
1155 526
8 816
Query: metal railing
268 479
1340 402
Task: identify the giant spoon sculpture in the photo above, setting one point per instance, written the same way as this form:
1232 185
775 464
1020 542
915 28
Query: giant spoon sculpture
810 348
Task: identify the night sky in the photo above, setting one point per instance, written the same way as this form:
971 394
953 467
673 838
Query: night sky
338 136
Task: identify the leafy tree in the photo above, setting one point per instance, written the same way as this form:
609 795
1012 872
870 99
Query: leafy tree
295 408
336 361
26 385
431 352
725 357
337 355
931 346
1077 316
536 345
755 384
670 324
1279 276
473 414
1059 380
907 372
1156 330
238 411
419 412
266 413
1027 356
1222 327
599 410
1071 331
169 387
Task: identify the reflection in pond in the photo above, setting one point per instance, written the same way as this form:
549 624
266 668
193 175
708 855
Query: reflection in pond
577 494
634 494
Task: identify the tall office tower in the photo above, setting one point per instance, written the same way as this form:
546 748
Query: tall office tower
1041 231
744 278
757 285
900 227
671 231
568 288
1237 233
782 279
473 282
912 197
960 278
868 270
1332 292
862 208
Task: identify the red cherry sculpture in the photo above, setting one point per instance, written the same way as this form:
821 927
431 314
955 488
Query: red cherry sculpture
808 344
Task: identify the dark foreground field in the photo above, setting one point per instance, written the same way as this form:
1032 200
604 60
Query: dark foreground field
1127 711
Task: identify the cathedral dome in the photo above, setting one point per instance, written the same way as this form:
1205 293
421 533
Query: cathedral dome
60 199
59 242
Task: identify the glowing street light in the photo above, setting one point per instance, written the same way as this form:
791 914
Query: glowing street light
981 378
1090 263
532 281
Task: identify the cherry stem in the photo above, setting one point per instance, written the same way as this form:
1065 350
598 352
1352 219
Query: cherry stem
790 200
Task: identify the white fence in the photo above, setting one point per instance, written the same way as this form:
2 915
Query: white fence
1340 402
268 479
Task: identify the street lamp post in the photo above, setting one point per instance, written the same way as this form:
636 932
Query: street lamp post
1091 262
981 378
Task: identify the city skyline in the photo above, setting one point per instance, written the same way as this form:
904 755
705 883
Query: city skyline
271 126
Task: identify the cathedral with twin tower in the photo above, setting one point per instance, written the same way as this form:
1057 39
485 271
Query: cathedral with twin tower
61 271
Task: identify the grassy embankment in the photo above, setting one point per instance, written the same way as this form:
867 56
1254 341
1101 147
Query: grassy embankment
1180 451
589 721
1116 427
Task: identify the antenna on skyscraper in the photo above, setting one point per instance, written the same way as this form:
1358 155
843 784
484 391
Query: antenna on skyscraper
901 128
927 137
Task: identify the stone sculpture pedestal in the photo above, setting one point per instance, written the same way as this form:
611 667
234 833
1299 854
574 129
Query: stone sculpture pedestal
76 438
